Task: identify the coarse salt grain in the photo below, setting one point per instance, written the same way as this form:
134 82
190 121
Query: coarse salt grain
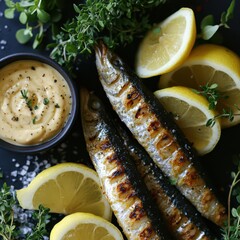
26 170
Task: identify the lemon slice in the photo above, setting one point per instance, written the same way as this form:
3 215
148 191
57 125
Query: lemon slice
66 188
85 226
191 113
209 63
167 45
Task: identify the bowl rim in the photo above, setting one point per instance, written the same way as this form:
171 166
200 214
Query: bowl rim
46 145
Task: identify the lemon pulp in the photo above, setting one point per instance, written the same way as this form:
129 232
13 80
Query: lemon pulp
167 45
66 188
208 64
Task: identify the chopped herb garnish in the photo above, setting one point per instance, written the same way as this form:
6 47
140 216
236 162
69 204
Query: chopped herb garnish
45 101
34 120
36 107
173 181
27 100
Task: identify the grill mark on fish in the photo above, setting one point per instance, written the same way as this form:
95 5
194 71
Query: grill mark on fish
165 144
128 196
181 217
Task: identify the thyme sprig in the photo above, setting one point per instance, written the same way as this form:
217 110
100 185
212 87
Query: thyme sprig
213 95
9 226
232 229
41 217
117 23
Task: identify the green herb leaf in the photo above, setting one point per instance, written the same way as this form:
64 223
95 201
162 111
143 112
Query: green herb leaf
9 3
43 16
9 225
26 4
208 31
37 41
23 17
206 21
22 37
226 16
34 120
115 22
37 15
9 13
231 231
45 101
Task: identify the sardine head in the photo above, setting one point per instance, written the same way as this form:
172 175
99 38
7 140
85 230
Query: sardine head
90 105
109 65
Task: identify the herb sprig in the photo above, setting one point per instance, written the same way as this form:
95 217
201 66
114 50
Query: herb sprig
9 227
208 26
213 95
28 101
232 229
117 23
37 16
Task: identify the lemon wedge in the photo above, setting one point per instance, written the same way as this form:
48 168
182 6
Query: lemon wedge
66 188
210 63
85 226
191 113
167 45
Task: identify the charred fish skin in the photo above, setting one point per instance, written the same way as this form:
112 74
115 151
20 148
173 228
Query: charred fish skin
182 218
156 131
130 201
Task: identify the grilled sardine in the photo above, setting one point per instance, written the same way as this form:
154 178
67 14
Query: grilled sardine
157 132
129 198
183 220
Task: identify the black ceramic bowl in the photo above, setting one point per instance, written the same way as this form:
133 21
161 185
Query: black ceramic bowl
45 145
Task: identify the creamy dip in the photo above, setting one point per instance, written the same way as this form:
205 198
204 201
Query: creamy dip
35 102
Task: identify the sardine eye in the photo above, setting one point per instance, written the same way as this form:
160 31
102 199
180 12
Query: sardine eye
95 105
116 62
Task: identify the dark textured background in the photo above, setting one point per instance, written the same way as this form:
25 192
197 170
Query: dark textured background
217 164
